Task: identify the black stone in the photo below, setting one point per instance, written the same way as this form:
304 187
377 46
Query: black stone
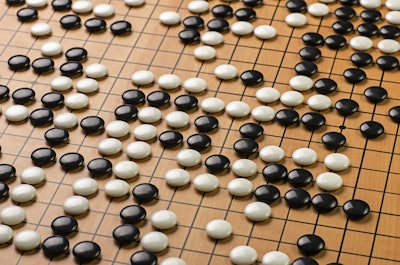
23 95
120 27
356 209
354 75
158 99
375 94
324 202
199 141
15 2
297 198
346 106
245 147
333 140
26 14
126 234
310 53
61 5
170 139
99 167
370 15
86 251
56 136
64 225
310 244
43 65
267 193
312 39
342 27
306 68
134 97
274 172
304 261
70 21
71 69
368 29
95 25
245 14
251 130
387 62
222 11
348 2
71 161
52 100
19 62
145 192
313 120
390 31
76 54
299 177
252 77
345 13
43 156
133 214
287 116
394 114
144 257
4 189
189 36
7 172
186 102
92 124
335 42
218 24
4 92
217 163
296 6
252 3
41 117
361 59
193 22
206 123
371 129
126 112
54 246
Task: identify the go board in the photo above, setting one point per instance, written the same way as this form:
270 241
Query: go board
373 175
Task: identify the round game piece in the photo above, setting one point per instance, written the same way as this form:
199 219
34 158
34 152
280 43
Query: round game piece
133 97
312 39
251 130
6 233
199 141
370 15
149 115
76 101
82 6
27 240
212 38
243 255
387 62
206 182
64 225
345 13
16 113
188 157
143 257
54 246
75 205
86 251
271 153
126 234
333 140
169 81
99 167
12 215
41 117
205 53
198 7
299 177
297 198
177 119
371 129
325 86
206 123
371 3
291 98
116 188
257 211
390 32
342 27
70 21
244 168
138 150
245 14
71 69
65 120
22 193
226 71
134 3
212 105
240 187
217 163
174 260
393 17
51 48
169 18
154 241
368 29
61 83
329 181
76 54
318 9
337 161
252 77
237 109
61 5
145 192
189 35
7 172
103 10
267 193
361 43
194 22
19 62
95 25
32 175
275 257
126 169
109 146
177 177
319 102
274 172
142 77
245 147
87 85
356 209
335 42
252 3
324 202
392 5
117 129
388 46
301 83
222 11
4 92
287 117
4 190
218 25
27 14
313 120
170 139
304 260
92 124
346 106
361 59
296 20
265 32
310 53
52 100
195 84
394 114
40 29
310 244
43 156
219 229
296 5
304 156
96 70
263 113
242 28
186 102
15 2
163 219
23 95
267 94
133 214
85 186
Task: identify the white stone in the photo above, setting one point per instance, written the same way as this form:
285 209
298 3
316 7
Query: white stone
126 169
337 161
275 258
301 83
169 81
329 181
292 98
6 233
265 32
393 17
240 187
40 29
198 7
268 94
271 154
244 168
116 188
117 128
12 215
144 132
263 113
319 102
142 77
65 120
32 175
242 28
205 53
149 114
138 150
243 255
389 46
206 182
296 20
109 146
103 10
212 105
51 48
318 9
164 219
219 229
370 3
237 109
212 38
75 205
27 240
177 177
195 85
188 157
23 193
82 6
226 71
61 83
257 211
85 186
16 113
169 18
173 260
177 119
392 4
305 156
134 3
154 241
76 101
96 70
87 85
36 3
361 43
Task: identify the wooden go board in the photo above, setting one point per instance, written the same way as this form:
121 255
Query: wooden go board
374 174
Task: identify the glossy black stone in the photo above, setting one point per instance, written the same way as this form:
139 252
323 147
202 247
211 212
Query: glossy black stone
144 258
52 100
206 123
158 99
251 130
313 120
222 11
71 69
95 25
345 13
199 141
375 94
310 53
92 124
245 14
99 167
368 29
134 97
23 95
193 22
245 147
310 244
299 177
41 117
4 92
189 36
64 225
387 62
217 163
26 14
312 39
274 172
356 209
186 102
296 5
370 15
145 192
76 54
390 31
304 261
132 214
267 193
394 114
126 234
56 136
71 161
70 21
43 156
324 202
287 116
54 246
306 68
348 2
252 3
333 140
218 24
61 5
126 112
19 62
361 59
354 75
346 106
170 139
342 27
43 65
86 251
371 129
252 77
335 42
297 198
120 27
4 190
15 2
7 172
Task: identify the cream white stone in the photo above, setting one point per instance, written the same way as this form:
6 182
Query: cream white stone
96 70
243 255
301 83
76 101
265 32
154 241
40 29
318 9
198 7
271 153
23 193
393 4
149 114
263 113
27 240
12 215
87 85
212 105
370 3
296 20
169 81
275 258
116 188
305 156
242 28
240 187
393 17
319 102
244 168
361 43
188 157
177 177
173 261
51 48
32 175
109 146
16 113
6 234
164 219
292 98
177 119
237 109
195 85
65 120
142 77
389 46
75 205
212 38
226 71
268 94
170 18
219 229
138 150
36 3
117 128
337 161
82 6
126 169
205 53
85 186
144 132
61 83
134 3
257 211
206 182
103 10
329 181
